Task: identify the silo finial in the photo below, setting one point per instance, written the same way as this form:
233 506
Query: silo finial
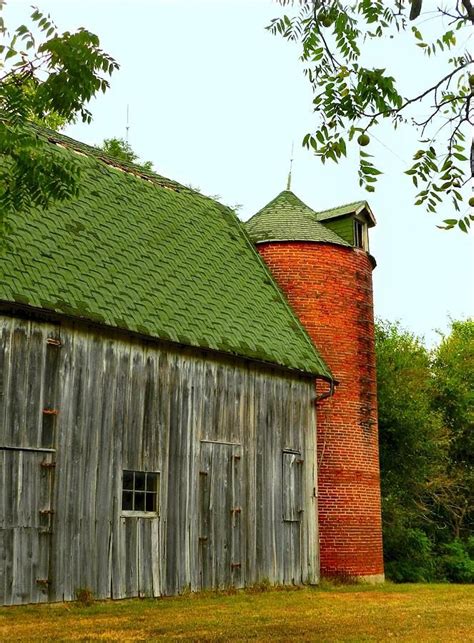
288 183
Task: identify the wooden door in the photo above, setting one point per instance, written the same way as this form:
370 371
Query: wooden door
26 484
220 512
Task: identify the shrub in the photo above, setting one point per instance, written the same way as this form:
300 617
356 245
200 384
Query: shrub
408 556
455 562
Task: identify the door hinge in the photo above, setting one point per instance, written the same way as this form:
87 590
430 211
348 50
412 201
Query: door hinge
52 341
50 411
47 465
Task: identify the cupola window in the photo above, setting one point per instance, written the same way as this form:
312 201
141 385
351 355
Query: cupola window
360 235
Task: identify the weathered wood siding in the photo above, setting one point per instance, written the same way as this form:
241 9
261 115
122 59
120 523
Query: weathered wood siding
233 442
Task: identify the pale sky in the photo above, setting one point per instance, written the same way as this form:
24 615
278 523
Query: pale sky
215 101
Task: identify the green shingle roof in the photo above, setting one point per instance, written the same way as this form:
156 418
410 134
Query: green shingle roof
153 257
350 208
287 218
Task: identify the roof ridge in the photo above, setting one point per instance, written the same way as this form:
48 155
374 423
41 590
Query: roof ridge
343 205
134 169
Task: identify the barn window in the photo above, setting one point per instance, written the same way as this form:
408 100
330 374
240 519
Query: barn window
140 491
292 485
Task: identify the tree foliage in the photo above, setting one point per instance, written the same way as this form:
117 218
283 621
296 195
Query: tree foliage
46 77
411 450
453 374
121 150
351 97
426 408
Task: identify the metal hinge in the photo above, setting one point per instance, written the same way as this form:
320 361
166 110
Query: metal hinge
50 411
47 465
52 341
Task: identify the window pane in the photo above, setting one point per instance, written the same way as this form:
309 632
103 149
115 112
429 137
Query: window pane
140 491
128 479
127 501
139 501
151 481
150 502
140 480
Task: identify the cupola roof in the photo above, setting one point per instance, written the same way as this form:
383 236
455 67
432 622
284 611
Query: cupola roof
287 218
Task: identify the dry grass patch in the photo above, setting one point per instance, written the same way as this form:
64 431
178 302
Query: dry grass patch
329 613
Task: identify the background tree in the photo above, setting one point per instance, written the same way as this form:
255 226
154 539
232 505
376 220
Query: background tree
453 371
412 451
426 409
351 97
45 77
121 150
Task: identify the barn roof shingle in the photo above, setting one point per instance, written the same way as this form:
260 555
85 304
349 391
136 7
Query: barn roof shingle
148 255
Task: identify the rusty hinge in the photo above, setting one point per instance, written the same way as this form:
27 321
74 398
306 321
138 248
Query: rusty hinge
46 512
47 465
300 461
235 565
50 411
52 341
43 581
202 539
236 510
236 457
203 473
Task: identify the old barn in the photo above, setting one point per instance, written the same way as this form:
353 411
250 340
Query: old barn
157 399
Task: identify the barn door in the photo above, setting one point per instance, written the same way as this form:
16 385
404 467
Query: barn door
220 529
292 510
26 482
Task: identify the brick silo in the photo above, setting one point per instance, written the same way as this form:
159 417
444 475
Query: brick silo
322 263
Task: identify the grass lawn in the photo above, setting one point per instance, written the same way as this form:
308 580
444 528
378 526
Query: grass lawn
329 613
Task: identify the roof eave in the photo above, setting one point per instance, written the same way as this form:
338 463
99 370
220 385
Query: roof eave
365 207
298 240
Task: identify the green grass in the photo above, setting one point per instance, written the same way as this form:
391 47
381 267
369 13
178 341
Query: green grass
327 613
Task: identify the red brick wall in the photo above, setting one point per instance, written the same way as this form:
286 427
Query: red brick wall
330 289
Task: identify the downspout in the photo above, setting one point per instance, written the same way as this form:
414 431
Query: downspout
330 393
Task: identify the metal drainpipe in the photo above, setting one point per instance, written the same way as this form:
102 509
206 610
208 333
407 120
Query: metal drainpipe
330 393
